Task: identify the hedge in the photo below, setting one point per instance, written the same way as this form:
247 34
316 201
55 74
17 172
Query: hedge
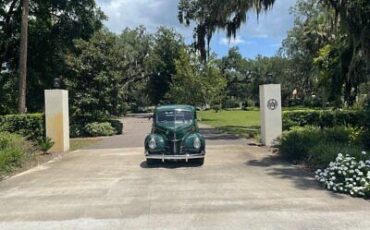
30 126
14 149
323 119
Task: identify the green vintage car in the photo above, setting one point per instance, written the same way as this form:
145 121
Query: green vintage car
175 135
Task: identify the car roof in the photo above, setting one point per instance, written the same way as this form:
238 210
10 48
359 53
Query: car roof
173 107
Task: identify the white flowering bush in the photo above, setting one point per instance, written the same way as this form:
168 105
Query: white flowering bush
347 175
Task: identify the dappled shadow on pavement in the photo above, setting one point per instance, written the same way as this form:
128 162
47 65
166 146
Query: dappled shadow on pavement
277 167
213 134
170 164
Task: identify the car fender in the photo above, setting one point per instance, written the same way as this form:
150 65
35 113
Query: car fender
160 141
189 141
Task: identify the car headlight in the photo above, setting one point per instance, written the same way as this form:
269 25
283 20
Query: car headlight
152 144
197 144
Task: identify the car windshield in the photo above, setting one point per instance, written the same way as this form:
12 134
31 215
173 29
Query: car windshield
176 116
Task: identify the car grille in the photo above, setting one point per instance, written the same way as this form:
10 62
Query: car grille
174 148
174 142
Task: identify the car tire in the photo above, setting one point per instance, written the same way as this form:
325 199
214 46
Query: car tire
150 162
199 161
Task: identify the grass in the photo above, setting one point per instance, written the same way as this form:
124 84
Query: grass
79 143
239 122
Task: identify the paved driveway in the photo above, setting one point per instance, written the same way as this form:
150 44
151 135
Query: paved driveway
110 187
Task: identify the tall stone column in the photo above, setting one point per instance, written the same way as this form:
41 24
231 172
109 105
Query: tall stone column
271 113
57 119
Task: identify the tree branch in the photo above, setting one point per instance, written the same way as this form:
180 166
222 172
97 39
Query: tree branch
135 79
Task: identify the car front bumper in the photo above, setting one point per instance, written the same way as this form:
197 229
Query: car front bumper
164 157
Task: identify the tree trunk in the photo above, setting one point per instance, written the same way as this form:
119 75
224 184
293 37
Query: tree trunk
23 59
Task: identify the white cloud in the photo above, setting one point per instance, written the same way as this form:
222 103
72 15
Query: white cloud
233 41
268 31
154 13
150 13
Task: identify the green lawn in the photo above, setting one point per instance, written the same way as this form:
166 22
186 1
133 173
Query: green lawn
240 122
79 143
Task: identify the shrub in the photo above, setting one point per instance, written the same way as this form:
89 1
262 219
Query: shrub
117 126
77 130
313 102
321 154
347 175
13 151
366 133
46 144
248 103
294 145
316 146
338 135
231 103
99 129
217 108
323 119
30 126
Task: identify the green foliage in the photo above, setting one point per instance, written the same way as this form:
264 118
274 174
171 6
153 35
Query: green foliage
244 76
30 126
295 144
230 103
166 50
96 129
323 118
46 144
77 130
101 72
317 147
194 83
216 107
53 25
117 126
321 154
366 134
212 15
236 71
8 86
13 151
328 48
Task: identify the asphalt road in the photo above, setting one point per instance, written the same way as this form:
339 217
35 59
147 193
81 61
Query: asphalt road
109 186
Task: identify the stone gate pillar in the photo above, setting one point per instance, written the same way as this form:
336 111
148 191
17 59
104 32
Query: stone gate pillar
271 113
57 119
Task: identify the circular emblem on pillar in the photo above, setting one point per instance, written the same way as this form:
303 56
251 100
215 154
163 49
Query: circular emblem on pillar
272 104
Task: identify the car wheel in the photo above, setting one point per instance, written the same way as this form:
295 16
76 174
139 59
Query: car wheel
199 161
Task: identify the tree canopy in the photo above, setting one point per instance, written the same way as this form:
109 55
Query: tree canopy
211 15
53 25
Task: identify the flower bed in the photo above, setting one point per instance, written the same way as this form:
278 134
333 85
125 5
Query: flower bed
347 175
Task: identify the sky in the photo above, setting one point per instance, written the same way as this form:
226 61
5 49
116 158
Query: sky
256 37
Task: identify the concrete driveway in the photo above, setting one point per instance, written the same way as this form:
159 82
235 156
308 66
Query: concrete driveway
110 187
